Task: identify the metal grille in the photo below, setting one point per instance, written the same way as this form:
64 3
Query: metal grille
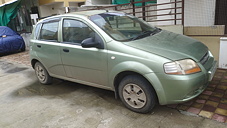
163 13
204 58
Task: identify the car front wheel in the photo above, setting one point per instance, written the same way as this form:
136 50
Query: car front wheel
42 74
137 94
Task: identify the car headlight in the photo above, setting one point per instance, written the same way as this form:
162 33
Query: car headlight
181 67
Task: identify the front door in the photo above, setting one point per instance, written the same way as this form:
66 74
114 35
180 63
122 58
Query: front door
85 65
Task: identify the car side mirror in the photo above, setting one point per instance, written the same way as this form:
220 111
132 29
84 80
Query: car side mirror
88 43
95 42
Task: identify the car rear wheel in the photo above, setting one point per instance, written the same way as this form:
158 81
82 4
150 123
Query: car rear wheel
42 74
137 94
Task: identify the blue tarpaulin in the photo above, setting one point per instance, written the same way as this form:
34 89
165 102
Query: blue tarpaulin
10 41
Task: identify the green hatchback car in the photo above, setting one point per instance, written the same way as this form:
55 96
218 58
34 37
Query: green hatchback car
142 64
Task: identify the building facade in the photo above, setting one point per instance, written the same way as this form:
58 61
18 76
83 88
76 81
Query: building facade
55 7
30 11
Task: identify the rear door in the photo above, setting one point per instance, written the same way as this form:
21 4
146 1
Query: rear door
46 47
85 65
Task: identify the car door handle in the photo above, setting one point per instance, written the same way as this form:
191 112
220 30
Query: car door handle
66 50
39 46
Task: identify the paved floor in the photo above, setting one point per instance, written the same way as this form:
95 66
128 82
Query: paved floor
212 103
99 103
25 103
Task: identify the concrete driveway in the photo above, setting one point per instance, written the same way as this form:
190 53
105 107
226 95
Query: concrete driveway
24 103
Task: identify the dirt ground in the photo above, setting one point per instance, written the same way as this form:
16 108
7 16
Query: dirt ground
21 58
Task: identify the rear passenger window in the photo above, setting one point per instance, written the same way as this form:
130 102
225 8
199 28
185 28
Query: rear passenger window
75 31
49 31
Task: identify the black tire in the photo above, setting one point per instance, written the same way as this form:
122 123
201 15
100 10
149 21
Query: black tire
137 94
42 74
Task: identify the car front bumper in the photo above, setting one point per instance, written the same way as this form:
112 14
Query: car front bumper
172 89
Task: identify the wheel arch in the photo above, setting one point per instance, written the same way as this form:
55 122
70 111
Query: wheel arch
119 77
33 61
44 78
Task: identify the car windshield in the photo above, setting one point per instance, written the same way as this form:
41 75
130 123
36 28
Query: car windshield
123 27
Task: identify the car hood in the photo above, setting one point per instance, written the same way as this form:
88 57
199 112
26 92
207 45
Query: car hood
170 45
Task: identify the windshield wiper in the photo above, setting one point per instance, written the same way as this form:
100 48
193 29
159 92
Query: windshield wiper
157 30
143 34
147 33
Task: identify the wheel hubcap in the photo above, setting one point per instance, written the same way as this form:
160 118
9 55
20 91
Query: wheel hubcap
40 73
134 96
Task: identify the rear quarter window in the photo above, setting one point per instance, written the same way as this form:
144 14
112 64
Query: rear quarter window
49 31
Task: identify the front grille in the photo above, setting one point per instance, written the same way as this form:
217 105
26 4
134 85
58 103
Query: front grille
205 58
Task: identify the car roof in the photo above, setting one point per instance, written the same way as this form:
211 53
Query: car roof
79 14
90 12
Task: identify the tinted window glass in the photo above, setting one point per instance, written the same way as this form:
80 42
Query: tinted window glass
123 27
49 31
75 31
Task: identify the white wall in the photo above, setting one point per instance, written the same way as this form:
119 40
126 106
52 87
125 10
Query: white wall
97 2
164 12
173 28
44 11
170 11
26 38
196 12
199 12
48 10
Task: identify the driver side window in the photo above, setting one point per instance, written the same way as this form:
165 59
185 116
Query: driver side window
75 31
